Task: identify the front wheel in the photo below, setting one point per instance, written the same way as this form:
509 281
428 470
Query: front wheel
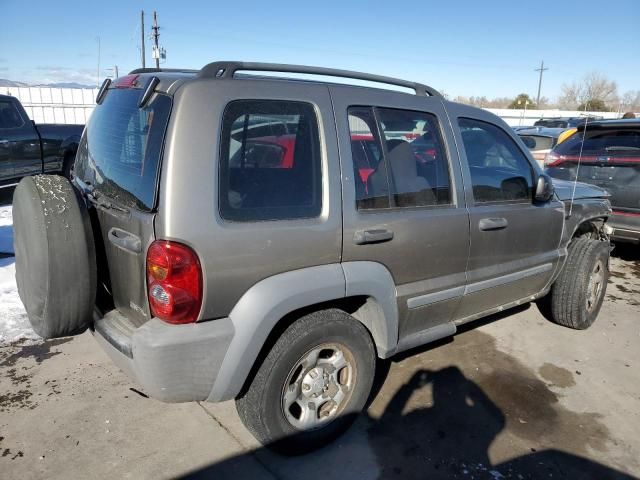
312 384
577 295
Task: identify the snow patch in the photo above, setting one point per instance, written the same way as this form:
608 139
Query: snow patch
14 324
6 230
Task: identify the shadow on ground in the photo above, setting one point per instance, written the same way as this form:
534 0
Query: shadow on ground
440 423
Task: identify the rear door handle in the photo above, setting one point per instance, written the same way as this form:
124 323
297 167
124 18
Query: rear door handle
125 240
493 224
374 235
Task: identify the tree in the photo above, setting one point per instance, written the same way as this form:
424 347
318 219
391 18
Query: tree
522 101
595 105
630 101
595 89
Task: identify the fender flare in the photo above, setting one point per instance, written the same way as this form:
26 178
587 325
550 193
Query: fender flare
260 309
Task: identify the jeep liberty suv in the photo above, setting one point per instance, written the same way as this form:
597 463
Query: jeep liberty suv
242 236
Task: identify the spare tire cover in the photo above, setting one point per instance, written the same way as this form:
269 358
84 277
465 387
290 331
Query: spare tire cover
55 256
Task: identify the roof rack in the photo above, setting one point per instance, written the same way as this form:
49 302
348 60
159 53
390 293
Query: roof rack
160 70
229 68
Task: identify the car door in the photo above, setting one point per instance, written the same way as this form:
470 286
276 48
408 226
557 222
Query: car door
514 241
403 207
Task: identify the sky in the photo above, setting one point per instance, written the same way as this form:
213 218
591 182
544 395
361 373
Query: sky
471 48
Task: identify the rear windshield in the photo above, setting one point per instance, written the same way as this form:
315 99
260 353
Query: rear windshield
120 151
610 142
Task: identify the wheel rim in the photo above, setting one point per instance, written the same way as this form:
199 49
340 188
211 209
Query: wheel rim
595 286
319 386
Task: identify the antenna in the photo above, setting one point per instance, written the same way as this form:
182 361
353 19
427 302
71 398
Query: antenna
575 180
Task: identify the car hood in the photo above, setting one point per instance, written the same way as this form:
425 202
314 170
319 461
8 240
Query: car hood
564 189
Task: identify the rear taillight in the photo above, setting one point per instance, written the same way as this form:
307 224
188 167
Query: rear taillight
552 159
174 282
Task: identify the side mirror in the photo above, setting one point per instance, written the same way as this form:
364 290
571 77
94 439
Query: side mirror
544 188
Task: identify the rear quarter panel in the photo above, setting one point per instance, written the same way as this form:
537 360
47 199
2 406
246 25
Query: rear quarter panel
236 255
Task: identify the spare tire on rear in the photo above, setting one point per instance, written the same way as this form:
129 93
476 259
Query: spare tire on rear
55 256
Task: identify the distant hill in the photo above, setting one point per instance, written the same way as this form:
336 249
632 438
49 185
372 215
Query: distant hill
65 85
11 83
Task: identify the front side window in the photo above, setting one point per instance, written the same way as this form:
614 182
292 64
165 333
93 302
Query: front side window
270 165
407 167
10 116
500 172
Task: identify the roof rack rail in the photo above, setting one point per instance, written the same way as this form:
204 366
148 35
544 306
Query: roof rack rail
160 70
229 68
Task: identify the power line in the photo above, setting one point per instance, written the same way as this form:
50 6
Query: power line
542 69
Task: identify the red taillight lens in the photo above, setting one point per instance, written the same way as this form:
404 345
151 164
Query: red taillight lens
174 282
552 159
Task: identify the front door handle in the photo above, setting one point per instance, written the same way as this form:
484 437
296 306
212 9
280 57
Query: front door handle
374 235
487 224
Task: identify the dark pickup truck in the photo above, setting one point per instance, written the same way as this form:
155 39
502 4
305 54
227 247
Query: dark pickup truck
27 149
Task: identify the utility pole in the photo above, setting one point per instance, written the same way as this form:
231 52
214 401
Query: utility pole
98 72
142 37
156 35
541 70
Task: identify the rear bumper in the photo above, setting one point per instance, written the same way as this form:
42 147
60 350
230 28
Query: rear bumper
626 228
172 363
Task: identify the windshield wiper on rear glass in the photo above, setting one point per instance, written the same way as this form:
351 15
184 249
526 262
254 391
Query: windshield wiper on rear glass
97 198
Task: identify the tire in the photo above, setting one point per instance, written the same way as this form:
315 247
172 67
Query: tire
578 293
54 255
262 407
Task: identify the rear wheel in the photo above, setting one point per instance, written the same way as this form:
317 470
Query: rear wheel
577 295
312 384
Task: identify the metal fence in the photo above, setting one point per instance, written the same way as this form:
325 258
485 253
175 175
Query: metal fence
55 105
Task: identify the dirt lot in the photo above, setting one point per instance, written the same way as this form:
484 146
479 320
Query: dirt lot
512 397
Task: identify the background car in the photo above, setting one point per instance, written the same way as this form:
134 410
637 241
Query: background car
609 158
565 122
540 140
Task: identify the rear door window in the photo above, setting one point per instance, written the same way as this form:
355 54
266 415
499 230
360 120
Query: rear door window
398 159
270 163
9 115
120 151
418 165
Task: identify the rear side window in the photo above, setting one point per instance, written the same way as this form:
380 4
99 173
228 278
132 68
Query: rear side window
9 115
120 152
499 170
406 167
270 164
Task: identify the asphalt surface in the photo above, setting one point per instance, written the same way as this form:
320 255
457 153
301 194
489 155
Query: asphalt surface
512 397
